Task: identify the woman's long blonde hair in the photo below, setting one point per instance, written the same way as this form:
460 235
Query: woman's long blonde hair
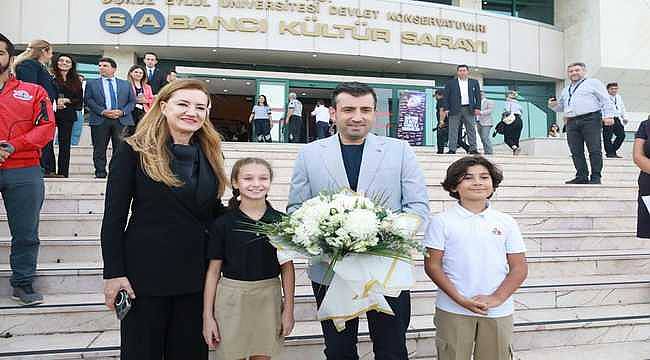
34 50
151 137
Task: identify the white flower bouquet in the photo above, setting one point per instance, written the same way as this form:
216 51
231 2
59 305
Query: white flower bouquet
367 245
335 225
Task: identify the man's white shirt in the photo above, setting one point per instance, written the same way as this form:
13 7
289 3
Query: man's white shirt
464 91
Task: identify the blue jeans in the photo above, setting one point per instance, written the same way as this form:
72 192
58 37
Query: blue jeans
23 192
322 130
76 129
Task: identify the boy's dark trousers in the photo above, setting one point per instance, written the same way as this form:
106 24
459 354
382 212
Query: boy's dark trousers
387 332
617 130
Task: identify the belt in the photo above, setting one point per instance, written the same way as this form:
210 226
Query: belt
464 105
582 116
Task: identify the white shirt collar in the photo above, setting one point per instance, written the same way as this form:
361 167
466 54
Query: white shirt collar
464 213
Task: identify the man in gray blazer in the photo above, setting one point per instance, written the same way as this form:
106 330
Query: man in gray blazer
485 123
369 164
111 102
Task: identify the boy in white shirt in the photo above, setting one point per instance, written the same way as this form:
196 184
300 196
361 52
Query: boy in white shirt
477 260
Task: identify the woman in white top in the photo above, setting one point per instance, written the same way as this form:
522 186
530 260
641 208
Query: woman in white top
261 114
512 131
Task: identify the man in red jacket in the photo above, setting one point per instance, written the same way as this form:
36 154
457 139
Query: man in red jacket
26 126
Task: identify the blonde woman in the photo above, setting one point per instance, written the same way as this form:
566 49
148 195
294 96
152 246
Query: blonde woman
170 174
31 66
512 130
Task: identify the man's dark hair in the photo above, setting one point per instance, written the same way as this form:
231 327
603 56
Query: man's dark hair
11 49
151 53
458 169
355 89
462 66
108 60
612 84
577 63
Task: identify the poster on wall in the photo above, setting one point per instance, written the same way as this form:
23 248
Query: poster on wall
412 112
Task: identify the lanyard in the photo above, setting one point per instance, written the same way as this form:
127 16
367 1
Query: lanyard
575 89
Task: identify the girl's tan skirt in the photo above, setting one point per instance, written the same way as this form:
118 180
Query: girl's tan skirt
249 315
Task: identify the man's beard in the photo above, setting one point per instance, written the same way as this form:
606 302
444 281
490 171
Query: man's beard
4 68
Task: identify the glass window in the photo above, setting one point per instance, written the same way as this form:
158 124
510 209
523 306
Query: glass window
446 2
538 10
537 117
383 112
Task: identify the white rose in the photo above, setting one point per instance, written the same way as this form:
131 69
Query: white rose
404 224
361 224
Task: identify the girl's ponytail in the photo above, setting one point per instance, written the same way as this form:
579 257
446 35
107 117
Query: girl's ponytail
233 203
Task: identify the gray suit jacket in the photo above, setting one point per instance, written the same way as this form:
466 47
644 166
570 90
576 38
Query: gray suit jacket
388 168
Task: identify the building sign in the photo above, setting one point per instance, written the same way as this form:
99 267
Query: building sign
116 20
355 23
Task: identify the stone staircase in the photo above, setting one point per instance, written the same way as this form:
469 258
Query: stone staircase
587 295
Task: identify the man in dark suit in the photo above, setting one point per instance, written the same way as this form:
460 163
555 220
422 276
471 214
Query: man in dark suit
157 79
110 101
462 103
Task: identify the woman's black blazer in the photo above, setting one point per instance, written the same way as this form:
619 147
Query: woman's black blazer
34 72
162 248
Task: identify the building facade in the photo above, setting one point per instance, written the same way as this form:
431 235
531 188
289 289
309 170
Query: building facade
404 48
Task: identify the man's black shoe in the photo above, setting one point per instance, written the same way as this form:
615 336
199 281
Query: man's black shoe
614 155
451 152
594 182
100 176
474 152
577 181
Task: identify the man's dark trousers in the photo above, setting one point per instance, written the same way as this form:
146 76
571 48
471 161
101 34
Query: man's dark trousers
617 130
322 130
387 332
295 129
109 130
586 129
465 117
23 192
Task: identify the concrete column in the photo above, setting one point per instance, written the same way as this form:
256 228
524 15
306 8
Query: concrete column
124 59
468 4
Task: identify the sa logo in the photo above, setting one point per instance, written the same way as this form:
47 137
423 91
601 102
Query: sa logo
116 20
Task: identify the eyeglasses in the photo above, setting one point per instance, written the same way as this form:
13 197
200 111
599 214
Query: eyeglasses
64 61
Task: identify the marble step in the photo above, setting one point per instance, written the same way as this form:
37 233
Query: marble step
534 331
525 189
87 248
74 225
284 165
86 277
94 204
290 151
629 350
67 313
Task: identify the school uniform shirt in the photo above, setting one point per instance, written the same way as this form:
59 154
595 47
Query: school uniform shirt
247 256
475 248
